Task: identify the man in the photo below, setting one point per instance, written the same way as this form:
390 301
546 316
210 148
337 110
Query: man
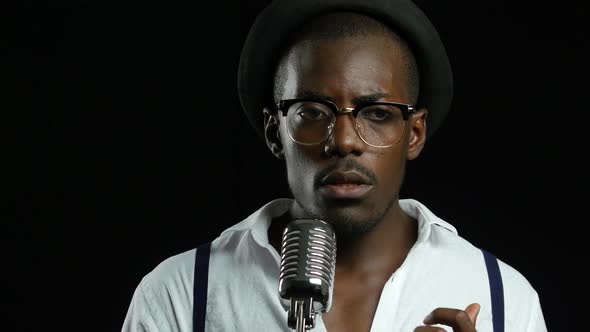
345 92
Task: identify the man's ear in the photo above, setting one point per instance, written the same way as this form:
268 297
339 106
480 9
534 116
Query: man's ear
417 127
272 134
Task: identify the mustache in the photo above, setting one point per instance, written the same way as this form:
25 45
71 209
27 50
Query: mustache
344 165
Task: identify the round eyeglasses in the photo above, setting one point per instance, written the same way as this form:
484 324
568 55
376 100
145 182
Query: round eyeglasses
312 121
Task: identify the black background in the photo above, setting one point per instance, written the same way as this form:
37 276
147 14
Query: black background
113 161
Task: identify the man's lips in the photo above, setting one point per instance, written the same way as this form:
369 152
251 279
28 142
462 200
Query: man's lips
344 177
345 185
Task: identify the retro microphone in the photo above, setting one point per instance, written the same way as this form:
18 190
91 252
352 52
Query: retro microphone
308 263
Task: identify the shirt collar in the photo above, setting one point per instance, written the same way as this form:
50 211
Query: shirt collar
426 219
258 222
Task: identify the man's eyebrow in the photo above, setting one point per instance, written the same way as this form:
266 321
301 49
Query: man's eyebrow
314 95
356 100
369 98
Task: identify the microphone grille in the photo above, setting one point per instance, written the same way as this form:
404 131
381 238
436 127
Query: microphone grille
308 262
320 257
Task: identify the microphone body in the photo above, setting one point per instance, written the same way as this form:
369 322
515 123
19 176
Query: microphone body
308 263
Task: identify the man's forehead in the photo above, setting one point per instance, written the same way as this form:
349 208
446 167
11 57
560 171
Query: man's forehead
347 29
362 60
370 52
348 42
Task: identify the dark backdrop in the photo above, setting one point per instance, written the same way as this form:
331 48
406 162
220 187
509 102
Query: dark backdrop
124 144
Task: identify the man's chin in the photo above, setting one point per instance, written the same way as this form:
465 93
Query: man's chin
350 227
349 217
349 220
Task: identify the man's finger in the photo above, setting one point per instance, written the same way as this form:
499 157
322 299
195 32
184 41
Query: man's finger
472 311
429 329
455 318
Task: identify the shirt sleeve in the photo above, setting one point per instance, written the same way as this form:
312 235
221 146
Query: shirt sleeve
537 320
163 301
139 315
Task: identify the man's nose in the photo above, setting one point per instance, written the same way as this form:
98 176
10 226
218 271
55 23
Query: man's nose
344 139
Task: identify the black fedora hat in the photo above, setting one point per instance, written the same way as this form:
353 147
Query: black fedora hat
275 24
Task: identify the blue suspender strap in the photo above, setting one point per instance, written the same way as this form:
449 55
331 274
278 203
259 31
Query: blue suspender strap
496 291
201 277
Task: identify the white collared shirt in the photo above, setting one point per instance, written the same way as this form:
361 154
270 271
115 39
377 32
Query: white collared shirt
441 270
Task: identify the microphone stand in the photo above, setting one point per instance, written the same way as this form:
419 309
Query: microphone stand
303 315
300 325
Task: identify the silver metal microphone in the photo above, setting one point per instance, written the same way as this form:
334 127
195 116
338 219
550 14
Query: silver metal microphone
308 263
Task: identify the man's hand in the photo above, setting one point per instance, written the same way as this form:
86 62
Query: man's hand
459 320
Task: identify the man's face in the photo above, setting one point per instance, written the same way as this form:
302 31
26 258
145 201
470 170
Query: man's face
343 180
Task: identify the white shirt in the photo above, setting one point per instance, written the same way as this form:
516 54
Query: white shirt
441 270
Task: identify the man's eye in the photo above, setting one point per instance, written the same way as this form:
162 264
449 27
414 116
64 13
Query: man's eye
376 114
312 114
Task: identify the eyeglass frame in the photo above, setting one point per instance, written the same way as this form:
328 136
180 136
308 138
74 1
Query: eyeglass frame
283 106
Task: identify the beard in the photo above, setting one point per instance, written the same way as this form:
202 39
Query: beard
348 225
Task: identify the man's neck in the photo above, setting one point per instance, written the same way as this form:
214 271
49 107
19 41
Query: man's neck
381 250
